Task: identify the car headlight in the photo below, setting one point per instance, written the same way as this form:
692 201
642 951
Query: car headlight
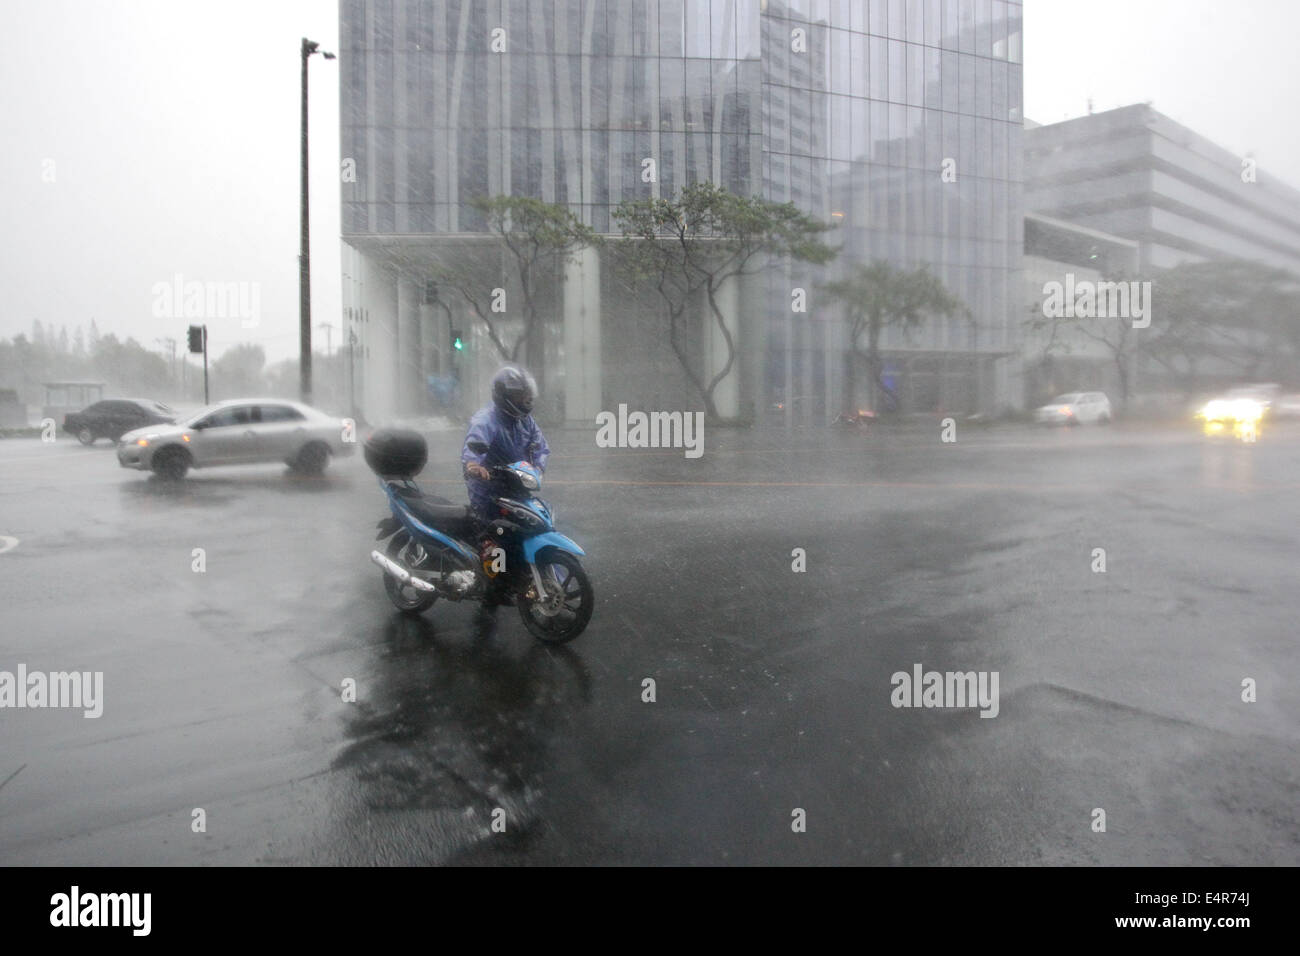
1232 410
1246 410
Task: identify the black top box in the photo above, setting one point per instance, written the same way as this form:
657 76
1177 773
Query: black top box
396 452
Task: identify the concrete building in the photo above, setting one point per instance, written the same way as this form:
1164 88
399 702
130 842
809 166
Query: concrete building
847 108
1134 173
1058 357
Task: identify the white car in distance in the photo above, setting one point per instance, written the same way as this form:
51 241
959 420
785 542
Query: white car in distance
236 432
1075 408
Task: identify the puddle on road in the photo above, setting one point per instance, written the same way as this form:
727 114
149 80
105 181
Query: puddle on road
450 736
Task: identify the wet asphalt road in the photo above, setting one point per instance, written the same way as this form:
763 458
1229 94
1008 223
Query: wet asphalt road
1118 690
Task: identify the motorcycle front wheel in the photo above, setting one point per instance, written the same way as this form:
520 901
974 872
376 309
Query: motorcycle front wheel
562 613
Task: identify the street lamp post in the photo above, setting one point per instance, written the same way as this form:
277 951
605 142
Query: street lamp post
304 241
329 336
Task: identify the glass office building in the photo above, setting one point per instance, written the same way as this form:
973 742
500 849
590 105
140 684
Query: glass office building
851 109
902 126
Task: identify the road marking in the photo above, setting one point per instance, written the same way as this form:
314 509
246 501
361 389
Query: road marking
805 484
887 442
7 543
882 447
12 775
916 485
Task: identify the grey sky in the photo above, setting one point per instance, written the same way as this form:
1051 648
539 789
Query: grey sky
173 127
1226 68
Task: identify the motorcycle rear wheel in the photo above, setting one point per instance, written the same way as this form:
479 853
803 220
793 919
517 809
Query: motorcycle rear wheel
406 599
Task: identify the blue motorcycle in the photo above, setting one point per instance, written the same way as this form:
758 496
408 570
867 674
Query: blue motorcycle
440 549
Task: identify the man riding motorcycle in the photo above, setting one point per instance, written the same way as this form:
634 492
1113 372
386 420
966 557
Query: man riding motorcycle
507 429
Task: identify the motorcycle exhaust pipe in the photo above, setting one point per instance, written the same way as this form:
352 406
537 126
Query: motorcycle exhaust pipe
392 568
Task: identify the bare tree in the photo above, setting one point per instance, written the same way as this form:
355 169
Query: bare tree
695 242
1237 317
469 285
538 236
880 296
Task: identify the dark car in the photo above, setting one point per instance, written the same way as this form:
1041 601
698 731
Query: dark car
113 417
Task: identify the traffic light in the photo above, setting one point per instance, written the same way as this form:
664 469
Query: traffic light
457 342
196 338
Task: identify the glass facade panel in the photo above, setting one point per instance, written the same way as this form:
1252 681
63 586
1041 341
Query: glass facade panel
855 122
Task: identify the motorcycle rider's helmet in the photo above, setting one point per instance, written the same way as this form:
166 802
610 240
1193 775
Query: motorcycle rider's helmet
514 391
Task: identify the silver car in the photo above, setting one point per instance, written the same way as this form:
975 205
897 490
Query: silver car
1075 408
236 432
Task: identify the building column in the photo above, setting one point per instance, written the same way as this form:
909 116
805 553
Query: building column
380 348
409 386
582 357
429 344
350 289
